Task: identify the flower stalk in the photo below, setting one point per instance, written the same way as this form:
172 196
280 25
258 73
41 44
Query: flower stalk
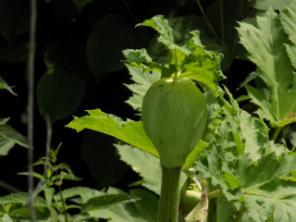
168 210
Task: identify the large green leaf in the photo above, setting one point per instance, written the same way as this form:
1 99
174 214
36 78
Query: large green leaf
254 174
128 131
142 210
101 158
269 47
139 160
275 201
110 36
275 4
59 94
143 75
288 17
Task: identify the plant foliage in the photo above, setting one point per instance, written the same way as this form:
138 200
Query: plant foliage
270 45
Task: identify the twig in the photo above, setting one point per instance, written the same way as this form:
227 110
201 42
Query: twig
48 138
30 108
8 186
129 11
205 17
63 204
222 21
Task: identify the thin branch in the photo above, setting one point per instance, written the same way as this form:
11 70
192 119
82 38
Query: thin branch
63 204
222 21
129 10
8 186
48 138
30 108
209 24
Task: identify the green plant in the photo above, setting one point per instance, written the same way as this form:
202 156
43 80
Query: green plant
162 103
53 203
245 175
9 137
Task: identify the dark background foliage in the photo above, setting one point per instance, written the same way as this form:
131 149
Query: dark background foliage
79 67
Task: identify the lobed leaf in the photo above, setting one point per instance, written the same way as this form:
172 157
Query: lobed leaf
142 210
275 4
139 161
255 175
269 47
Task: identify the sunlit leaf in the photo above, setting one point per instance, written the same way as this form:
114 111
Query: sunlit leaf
143 71
269 48
275 4
128 131
142 210
259 178
138 161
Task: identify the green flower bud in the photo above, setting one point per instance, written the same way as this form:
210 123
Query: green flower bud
174 118
189 200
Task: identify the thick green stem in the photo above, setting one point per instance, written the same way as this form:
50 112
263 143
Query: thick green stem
168 210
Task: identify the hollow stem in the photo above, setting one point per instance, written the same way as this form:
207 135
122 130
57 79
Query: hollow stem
168 210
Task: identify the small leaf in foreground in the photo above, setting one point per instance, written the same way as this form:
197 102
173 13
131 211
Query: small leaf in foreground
4 85
9 137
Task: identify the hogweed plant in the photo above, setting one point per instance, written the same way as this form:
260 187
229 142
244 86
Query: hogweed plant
194 132
174 110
